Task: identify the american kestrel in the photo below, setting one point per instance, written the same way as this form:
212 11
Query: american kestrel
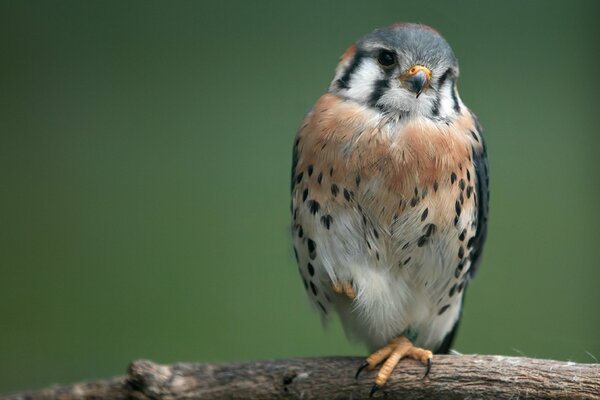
390 196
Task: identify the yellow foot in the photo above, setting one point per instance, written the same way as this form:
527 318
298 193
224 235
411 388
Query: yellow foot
345 288
392 353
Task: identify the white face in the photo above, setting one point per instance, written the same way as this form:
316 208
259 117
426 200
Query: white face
380 77
396 96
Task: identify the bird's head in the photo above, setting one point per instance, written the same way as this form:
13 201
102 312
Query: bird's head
408 69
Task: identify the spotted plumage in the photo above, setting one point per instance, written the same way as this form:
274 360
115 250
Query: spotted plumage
389 193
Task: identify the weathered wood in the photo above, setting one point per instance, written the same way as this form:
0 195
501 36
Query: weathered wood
451 377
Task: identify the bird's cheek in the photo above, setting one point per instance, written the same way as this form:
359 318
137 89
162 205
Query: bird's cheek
399 98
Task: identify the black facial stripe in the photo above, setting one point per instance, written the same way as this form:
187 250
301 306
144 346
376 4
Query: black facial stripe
443 78
435 109
378 89
448 74
454 97
344 81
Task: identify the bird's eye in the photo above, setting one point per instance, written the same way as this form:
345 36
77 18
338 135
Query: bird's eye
386 59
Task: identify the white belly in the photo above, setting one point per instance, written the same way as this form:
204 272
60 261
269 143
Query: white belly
391 296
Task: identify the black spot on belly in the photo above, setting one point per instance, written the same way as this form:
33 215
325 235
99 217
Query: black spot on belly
459 269
462 235
313 206
452 178
320 178
443 309
470 242
313 288
347 194
452 289
435 186
326 220
457 208
430 229
311 269
300 231
334 189
462 184
469 191
424 215
461 252
310 170
312 248
304 194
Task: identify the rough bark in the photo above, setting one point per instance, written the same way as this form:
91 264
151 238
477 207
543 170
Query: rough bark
451 377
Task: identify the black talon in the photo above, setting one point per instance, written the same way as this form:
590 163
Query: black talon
428 368
373 390
364 365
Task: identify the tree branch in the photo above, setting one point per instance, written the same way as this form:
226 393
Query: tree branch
451 377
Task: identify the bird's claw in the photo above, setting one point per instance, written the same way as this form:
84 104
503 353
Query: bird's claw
364 365
428 368
374 388
397 349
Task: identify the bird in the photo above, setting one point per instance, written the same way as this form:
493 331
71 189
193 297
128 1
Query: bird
389 197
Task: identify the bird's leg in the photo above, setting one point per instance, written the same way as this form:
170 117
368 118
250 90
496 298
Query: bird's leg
346 288
391 354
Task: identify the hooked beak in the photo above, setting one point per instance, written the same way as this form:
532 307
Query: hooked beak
416 78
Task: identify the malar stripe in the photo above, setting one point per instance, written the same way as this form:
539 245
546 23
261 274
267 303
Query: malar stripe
444 76
379 89
435 109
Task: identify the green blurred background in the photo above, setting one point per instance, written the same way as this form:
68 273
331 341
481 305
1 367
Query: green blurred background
145 150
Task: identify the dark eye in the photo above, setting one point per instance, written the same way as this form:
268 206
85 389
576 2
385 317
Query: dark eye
386 58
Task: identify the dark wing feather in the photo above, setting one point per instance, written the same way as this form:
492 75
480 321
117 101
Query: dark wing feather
444 348
482 193
480 162
294 162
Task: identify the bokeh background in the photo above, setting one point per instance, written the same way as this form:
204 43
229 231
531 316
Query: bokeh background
145 150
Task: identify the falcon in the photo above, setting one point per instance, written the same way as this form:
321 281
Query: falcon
390 197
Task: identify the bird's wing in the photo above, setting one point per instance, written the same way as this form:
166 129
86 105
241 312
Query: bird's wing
480 162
